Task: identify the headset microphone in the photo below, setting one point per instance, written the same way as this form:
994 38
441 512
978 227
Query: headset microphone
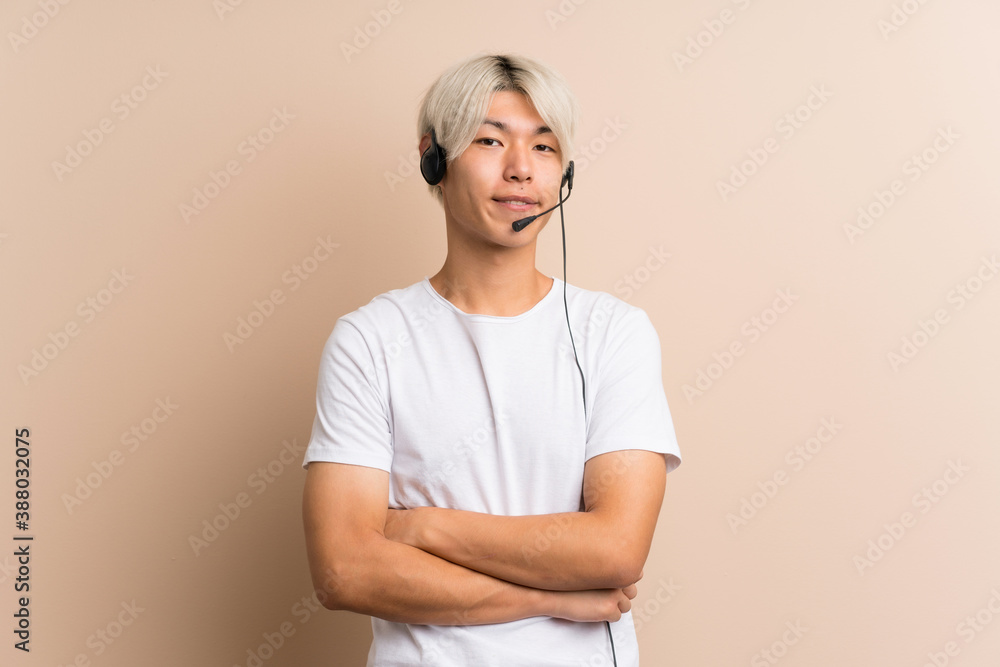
567 179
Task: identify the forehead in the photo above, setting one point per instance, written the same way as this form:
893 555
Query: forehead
513 112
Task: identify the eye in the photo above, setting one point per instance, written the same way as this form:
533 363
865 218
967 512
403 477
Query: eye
487 139
546 148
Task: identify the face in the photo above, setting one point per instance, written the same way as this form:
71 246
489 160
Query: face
512 169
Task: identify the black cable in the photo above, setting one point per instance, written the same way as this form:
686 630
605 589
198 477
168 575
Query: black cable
562 222
611 637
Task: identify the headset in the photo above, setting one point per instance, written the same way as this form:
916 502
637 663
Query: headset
433 164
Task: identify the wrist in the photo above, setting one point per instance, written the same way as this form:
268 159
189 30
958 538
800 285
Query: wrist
545 603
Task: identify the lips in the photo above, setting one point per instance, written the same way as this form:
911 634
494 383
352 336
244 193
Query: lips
516 199
516 202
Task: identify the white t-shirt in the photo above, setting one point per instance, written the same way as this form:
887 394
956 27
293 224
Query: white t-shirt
485 413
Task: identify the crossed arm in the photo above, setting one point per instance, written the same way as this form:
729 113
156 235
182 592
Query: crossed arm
604 546
451 567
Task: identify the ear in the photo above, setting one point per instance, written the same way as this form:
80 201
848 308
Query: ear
425 142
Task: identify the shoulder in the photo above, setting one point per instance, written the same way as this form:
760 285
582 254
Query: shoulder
387 311
599 312
365 332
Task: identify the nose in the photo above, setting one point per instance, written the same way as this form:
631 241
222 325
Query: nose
518 163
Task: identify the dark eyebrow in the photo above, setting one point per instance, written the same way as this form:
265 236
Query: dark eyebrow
502 126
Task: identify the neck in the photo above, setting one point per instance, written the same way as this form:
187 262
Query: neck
503 291
500 281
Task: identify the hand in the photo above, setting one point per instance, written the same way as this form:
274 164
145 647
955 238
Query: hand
630 592
606 604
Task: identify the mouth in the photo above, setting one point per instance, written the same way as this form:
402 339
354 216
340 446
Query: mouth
519 204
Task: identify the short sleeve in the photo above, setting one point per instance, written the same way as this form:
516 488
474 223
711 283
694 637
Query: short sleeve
629 408
351 424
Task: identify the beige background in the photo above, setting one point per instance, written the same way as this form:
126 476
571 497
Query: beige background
715 592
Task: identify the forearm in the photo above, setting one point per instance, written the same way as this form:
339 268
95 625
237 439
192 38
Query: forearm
566 551
400 583
603 547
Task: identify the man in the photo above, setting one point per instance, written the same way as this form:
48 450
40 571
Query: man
465 487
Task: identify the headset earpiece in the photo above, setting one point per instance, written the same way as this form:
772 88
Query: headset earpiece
567 178
433 161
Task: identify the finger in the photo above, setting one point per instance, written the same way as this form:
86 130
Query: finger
630 591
